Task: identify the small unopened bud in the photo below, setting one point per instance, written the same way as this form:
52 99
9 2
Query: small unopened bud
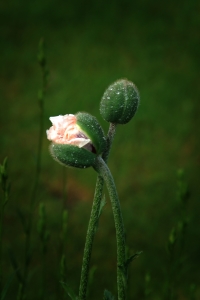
120 102
76 139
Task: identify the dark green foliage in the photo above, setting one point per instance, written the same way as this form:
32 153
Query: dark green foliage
108 295
16 267
90 45
147 286
176 241
41 227
5 186
63 277
63 234
7 286
193 289
69 291
91 278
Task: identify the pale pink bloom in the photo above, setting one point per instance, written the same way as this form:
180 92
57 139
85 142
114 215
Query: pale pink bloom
66 131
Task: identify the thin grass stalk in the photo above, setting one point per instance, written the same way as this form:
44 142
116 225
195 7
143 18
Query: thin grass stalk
64 177
1 236
5 185
41 96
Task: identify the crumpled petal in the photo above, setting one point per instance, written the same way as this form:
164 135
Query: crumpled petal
66 131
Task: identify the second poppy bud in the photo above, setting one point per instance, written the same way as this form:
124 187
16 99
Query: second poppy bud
120 102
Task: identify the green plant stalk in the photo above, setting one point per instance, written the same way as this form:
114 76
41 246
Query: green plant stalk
110 137
90 237
5 187
176 249
104 171
44 236
1 232
28 232
94 217
63 233
32 202
64 175
43 289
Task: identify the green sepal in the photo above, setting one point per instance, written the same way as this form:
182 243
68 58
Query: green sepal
92 129
120 102
72 156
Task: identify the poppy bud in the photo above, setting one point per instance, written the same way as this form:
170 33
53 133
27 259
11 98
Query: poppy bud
120 102
76 139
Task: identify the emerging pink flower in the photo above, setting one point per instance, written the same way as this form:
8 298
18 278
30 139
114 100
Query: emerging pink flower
66 131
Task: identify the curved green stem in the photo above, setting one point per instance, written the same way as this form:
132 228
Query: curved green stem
90 237
93 222
110 137
104 171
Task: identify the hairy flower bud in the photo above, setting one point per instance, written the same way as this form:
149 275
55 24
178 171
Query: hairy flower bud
76 139
120 102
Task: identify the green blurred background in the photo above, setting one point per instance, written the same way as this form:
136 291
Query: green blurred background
89 45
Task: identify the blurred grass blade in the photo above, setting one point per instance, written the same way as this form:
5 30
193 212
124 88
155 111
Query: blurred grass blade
108 296
22 219
91 279
69 291
15 267
6 287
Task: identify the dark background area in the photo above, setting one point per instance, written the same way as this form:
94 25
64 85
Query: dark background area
89 45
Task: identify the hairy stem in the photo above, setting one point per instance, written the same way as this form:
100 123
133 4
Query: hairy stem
104 171
94 217
90 237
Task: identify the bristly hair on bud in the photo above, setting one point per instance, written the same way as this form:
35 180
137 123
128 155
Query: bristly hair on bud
120 102
76 139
